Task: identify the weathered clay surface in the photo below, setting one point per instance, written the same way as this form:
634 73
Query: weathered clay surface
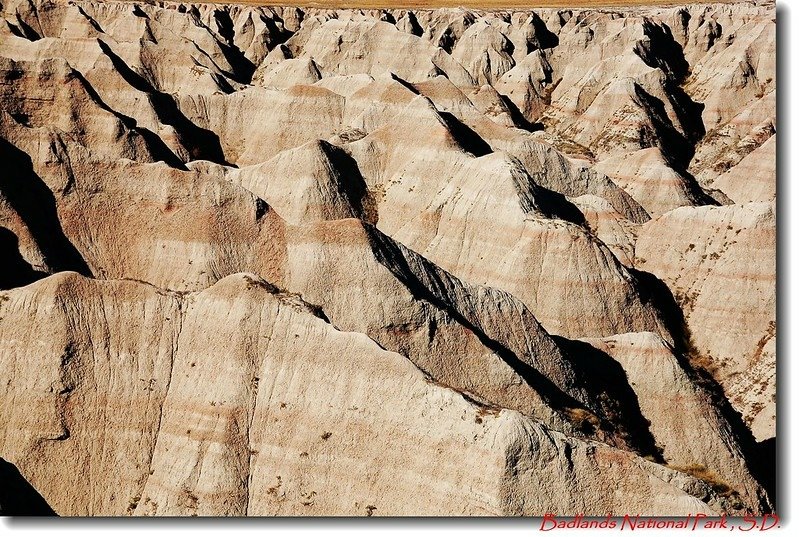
296 261
720 263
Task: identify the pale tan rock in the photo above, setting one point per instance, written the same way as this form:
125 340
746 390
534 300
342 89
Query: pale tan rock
720 264
87 410
526 85
257 31
754 177
612 228
316 181
372 47
490 103
219 449
444 27
692 432
499 241
51 95
182 241
257 123
345 85
376 103
343 254
743 70
725 146
408 23
426 204
648 178
291 72
275 56
485 52
428 340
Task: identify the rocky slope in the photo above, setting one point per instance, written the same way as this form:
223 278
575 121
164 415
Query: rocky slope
285 261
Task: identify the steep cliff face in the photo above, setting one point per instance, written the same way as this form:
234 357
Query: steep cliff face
285 261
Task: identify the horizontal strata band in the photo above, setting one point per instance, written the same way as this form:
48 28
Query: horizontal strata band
443 261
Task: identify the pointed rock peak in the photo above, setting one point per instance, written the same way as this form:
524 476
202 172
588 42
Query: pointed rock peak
281 51
313 154
311 91
317 181
318 147
275 56
624 86
423 123
488 90
311 66
345 85
533 198
387 81
422 108
390 75
485 32
410 24
59 281
440 89
291 72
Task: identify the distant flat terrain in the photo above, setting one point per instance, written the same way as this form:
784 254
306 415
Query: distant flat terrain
474 4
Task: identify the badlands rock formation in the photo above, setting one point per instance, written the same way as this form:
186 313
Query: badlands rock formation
290 261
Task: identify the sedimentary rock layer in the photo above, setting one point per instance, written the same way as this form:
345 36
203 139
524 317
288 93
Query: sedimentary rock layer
297 261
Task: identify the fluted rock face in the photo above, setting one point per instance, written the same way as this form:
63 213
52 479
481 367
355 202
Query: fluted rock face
290 261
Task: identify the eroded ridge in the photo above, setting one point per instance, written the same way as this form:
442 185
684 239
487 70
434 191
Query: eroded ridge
298 261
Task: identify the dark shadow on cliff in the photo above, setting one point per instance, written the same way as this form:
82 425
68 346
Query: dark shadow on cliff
654 291
468 139
155 145
35 204
543 37
17 496
677 148
518 118
243 68
16 272
202 144
352 184
389 254
606 381
765 465
661 51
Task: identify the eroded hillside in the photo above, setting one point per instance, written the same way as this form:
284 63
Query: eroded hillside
295 261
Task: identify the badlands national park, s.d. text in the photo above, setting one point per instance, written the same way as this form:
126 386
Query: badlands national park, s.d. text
490 260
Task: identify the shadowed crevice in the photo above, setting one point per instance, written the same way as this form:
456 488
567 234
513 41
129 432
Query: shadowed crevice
765 463
518 118
468 139
17 272
350 182
607 382
17 496
654 291
389 254
35 204
155 145
542 37
202 144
